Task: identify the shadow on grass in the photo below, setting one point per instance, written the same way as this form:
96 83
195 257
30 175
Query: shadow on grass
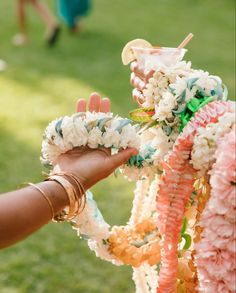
18 162
54 259
93 60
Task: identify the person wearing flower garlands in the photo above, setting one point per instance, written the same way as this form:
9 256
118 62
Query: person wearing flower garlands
24 211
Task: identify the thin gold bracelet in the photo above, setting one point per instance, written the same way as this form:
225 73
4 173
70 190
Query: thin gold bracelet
45 196
81 194
71 194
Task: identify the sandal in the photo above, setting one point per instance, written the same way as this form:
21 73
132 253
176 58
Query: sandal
53 36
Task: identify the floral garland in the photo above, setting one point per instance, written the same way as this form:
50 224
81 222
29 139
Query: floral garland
202 189
124 244
145 278
107 243
216 250
97 130
87 129
171 98
206 141
182 124
174 193
176 189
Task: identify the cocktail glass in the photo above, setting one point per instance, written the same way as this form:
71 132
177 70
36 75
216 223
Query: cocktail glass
154 58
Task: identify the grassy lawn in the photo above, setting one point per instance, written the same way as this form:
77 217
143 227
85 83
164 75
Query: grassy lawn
41 84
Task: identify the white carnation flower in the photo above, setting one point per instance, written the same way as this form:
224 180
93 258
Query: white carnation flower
59 142
114 124
81 131
50 152
69 133
206 83
111 138
95 138
164 109
129 137
205 142
94 116
179 86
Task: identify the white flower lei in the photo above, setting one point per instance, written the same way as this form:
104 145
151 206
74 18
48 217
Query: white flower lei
91 225
87 129
171 92
93 130
205 142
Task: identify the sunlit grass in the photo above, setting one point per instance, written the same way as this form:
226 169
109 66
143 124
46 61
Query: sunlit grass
41 84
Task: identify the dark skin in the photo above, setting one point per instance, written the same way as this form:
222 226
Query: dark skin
24 211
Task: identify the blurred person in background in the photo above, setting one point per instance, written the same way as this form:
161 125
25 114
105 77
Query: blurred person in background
71 11
52 27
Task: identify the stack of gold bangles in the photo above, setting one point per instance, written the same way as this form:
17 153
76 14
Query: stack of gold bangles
75 192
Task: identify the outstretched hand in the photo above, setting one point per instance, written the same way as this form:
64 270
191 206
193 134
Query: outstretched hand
92 165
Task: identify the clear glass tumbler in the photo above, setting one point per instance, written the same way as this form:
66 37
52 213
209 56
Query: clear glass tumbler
154 58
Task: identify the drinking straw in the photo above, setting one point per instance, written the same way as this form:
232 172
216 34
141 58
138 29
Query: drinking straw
185 41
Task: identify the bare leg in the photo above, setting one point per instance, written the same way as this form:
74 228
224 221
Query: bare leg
21 38
45 13
21 15
53 28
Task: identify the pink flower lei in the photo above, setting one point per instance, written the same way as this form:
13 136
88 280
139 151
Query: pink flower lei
175 191
215 253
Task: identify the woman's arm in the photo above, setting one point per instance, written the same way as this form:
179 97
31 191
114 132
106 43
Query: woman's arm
24 211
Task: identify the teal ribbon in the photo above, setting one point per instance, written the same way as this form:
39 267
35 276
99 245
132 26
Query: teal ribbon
138 160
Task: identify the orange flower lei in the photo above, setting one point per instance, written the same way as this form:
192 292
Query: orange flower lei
132 246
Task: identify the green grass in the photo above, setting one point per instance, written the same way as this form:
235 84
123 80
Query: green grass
41 84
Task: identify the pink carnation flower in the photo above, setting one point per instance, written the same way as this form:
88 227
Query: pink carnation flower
216 253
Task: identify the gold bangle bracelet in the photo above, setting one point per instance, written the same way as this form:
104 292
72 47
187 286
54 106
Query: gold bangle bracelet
71 194
81 194
81 188
45 196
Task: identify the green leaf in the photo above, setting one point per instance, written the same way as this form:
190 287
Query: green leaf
142 114
206 101
188 241
185 223
193 105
